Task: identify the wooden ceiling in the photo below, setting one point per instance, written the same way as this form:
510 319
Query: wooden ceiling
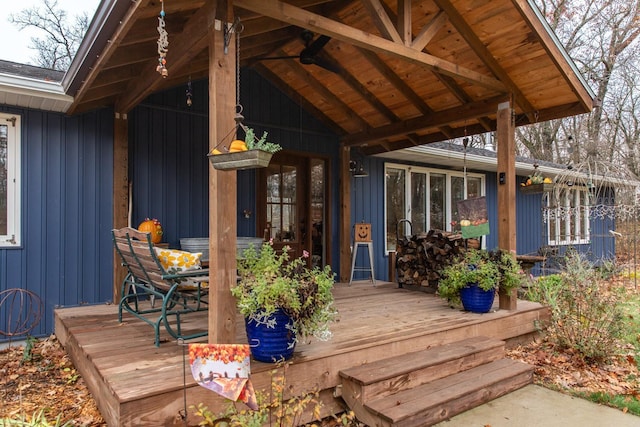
403 72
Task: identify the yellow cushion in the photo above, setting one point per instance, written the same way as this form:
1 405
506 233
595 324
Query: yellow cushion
175 261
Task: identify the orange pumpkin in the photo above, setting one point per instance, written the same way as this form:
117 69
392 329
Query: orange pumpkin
152 226
237 145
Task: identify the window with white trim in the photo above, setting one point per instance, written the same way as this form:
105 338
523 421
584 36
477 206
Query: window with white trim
9 180
567 215
427 197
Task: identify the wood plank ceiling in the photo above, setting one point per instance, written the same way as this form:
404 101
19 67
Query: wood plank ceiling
392 73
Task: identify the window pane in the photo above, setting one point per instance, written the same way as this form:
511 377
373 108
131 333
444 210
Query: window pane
437 206
273 184
473 187
418 202
4 166
317 212
457 194
396 204
288 184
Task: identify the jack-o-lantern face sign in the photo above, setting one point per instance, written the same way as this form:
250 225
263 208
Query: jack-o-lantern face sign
363 232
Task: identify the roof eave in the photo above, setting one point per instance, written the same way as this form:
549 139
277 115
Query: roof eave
34 93
107 17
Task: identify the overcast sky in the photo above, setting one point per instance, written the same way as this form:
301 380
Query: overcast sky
15 43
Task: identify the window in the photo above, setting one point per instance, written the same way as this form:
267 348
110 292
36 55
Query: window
427 197
9 180
568 216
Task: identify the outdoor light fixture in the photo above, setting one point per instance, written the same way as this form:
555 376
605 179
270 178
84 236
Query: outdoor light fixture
357 170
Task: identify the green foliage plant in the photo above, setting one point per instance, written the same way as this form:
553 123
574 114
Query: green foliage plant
273 408
489 270
269 281
38 419
587 311
254 143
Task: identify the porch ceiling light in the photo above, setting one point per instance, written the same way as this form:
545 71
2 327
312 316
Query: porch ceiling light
357 170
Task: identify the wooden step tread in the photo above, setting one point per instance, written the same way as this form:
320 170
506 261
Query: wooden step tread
395 367
443 398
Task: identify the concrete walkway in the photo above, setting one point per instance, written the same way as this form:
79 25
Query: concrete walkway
535 406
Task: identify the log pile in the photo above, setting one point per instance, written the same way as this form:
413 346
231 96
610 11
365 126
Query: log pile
421 257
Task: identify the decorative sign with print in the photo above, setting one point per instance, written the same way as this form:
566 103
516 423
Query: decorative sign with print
472 214
224 369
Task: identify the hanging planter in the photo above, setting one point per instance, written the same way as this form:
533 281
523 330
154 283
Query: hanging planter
536 188
251 153
249 159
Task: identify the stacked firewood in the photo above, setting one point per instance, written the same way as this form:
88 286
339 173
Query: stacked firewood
421 257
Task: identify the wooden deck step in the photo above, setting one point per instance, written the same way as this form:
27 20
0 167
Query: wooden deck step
388 376
436 401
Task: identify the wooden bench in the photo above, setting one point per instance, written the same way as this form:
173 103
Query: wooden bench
180 293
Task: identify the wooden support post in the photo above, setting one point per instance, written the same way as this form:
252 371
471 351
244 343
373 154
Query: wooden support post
222 189
120 193
506 190
345 214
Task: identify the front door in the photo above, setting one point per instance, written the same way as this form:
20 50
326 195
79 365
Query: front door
293 206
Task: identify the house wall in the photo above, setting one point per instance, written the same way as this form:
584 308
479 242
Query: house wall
170 170
368 205
66 215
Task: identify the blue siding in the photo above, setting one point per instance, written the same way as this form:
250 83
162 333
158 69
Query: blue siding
170 170
67 174
66 256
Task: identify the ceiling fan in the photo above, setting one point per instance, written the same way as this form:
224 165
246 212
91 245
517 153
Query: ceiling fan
311 54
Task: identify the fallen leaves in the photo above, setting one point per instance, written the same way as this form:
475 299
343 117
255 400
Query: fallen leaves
43 379
566 370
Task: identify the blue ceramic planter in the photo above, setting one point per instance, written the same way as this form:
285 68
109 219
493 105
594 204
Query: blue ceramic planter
476 299
272 340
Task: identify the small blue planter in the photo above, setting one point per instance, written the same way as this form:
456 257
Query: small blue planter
272 340
477 300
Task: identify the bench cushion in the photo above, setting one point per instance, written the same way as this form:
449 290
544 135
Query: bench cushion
175 261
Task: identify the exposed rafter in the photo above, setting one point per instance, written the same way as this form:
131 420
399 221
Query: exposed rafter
288 13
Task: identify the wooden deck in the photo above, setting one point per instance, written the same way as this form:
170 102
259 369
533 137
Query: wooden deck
136 383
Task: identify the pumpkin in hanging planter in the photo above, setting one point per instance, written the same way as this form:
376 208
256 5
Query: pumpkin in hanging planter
152 226
237 145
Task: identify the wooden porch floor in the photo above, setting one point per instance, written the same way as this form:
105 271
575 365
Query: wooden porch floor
136 383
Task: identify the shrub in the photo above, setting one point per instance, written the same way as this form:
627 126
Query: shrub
272 408
586 311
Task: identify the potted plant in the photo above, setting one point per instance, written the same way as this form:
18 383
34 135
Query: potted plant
282 301
248 154
474 277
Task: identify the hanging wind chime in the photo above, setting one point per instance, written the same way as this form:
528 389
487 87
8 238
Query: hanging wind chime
163 44
189 93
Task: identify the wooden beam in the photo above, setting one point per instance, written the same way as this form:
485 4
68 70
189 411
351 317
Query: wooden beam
381 20
440 118
120 194
484 54
506 152
429 31
345 215
559 56
404 22
123 29
357 37
222 191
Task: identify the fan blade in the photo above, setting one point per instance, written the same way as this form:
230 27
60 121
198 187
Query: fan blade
327 64
315 46
264 58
